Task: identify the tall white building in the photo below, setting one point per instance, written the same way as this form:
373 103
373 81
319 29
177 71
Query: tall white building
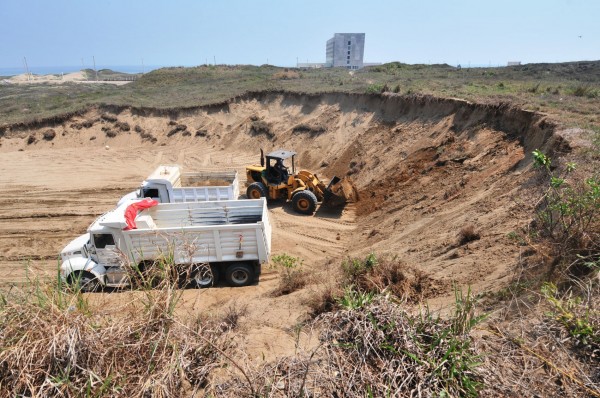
345 50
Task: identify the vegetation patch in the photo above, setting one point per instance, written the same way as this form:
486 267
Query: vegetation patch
177 129
108 118
145 136
312 130
579 314
567 220
286 74
377 349
123 126
53 344
49 134
260 127
467 234
292 277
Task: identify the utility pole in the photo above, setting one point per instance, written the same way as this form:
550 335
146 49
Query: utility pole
95 70
143 70
27 69
215 60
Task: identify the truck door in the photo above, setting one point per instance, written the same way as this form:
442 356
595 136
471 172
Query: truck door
107 253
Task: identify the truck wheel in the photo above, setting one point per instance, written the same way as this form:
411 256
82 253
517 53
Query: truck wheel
84 281
239 275
304 202
204 276
256 190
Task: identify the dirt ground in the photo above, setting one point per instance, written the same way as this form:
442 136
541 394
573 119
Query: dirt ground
425 170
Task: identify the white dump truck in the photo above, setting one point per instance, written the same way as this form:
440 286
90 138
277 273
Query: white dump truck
231 237
168 184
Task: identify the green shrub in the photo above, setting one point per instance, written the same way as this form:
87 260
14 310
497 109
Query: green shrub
292 275
584 91
580 318
375 88
568 218
353 300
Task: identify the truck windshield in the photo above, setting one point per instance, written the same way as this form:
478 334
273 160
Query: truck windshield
103 240
149 193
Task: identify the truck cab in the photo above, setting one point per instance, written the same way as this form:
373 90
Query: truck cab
95 257
158 186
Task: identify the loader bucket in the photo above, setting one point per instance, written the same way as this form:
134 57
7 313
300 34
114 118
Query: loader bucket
339 192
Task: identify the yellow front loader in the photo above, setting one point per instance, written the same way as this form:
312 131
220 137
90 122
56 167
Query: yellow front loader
272 179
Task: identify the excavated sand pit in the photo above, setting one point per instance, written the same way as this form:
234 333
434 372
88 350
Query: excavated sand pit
426 169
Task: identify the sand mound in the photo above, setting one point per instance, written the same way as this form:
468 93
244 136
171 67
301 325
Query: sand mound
55 78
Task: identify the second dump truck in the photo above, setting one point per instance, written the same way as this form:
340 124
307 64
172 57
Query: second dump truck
168 184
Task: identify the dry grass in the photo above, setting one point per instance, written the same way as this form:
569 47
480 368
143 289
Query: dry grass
286 74
467 234
52 343
260 127
385 274
538 352
376 351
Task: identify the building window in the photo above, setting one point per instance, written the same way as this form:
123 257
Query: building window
348 62
348 52
348 42
348 57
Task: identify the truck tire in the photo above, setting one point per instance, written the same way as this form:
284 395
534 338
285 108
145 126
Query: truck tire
204 276
238 275
84 281
256 190
304 202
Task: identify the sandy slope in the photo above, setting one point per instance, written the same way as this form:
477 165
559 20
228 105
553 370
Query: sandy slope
424 173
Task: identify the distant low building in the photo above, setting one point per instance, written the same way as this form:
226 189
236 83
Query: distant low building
345 50
313 65
514 63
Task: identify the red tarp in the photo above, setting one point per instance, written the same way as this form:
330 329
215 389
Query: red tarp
132 210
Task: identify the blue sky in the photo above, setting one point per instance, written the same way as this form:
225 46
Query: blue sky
186 32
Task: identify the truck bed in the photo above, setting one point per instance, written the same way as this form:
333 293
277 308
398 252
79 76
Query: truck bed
207 185
203 232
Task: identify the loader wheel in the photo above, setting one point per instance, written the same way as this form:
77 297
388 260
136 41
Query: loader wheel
238 275
304 202
256 190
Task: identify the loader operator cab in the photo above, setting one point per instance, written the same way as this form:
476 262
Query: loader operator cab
275 170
